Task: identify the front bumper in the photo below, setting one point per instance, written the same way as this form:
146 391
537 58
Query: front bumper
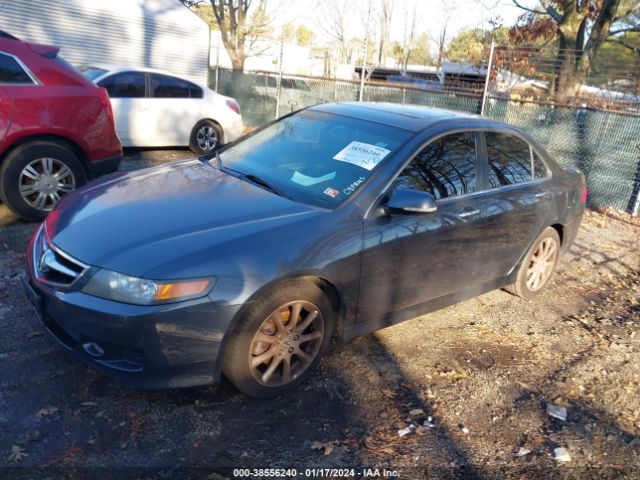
141 347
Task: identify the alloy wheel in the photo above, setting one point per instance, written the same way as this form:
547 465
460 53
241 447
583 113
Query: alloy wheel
207 138
44 181
542 263
286 344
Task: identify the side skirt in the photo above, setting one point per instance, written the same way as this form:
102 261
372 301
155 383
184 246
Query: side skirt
364 328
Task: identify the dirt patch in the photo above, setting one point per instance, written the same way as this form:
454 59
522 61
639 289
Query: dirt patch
479 373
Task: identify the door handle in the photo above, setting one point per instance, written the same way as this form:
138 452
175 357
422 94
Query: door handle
469 213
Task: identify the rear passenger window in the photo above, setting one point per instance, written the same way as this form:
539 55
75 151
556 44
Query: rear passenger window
11 72
164 86
540 170
125 85
445 168
509 159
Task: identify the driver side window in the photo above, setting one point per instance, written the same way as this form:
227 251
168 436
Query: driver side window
444 168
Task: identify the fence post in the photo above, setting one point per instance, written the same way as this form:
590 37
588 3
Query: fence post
279 86
487 78
364 57
217 63
634 202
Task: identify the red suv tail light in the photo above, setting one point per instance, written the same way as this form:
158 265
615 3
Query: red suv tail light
104 100
233 105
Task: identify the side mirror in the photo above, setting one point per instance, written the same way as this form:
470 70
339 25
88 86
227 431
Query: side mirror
411 201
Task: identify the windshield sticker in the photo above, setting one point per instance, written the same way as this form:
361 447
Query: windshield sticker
307 181
361 154
332 192
354 186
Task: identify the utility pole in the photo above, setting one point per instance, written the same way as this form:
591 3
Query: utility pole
279 90
364 57
488 77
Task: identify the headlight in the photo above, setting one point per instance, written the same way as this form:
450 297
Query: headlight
141 291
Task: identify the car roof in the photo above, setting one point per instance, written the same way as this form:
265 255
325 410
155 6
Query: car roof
112 69
8 36
414 118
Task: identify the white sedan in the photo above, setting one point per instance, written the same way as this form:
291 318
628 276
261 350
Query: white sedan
157 109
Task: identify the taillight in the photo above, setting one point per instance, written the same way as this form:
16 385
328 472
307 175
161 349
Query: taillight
583 195
104 100
233 105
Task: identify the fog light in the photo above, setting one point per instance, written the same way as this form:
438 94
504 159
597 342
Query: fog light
93 349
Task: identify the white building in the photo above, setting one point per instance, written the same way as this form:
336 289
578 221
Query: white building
159 34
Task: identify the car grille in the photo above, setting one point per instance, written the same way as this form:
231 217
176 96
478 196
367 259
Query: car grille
54 267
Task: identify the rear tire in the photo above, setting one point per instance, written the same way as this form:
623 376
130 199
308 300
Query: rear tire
206 137
35 176
267 355
538 265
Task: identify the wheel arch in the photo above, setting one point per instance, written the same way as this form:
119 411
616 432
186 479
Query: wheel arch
218 124
558 227
59 139
328 288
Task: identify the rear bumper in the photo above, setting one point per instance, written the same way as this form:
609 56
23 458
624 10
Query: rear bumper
571 231
102 167
139 347
233 129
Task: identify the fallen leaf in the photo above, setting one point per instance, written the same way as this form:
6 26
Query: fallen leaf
17 453
388 393
326 447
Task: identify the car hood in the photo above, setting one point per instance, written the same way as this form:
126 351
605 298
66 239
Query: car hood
133 223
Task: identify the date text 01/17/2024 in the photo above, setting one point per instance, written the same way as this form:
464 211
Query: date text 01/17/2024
315 473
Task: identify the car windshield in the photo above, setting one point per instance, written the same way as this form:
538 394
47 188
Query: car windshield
91 72
314 157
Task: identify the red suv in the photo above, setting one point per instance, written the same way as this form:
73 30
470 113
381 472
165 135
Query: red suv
56 128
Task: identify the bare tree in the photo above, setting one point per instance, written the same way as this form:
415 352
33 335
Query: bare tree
581 26
385 17
447 9
333 17
241 23
409 32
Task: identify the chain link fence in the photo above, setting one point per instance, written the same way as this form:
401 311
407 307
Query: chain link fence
257 93
604 143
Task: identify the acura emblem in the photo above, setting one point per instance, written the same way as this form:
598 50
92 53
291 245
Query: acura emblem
44 260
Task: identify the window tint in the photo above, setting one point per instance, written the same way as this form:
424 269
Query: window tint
164 86
540 170
509 159
125 85
444 168
11 72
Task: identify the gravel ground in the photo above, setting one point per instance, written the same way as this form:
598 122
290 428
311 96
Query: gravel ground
482 374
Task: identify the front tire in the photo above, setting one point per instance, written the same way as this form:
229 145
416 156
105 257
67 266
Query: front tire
538 265
206 137
279 340
35 176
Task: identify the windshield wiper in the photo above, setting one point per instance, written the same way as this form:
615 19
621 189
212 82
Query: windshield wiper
263 183
246 176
